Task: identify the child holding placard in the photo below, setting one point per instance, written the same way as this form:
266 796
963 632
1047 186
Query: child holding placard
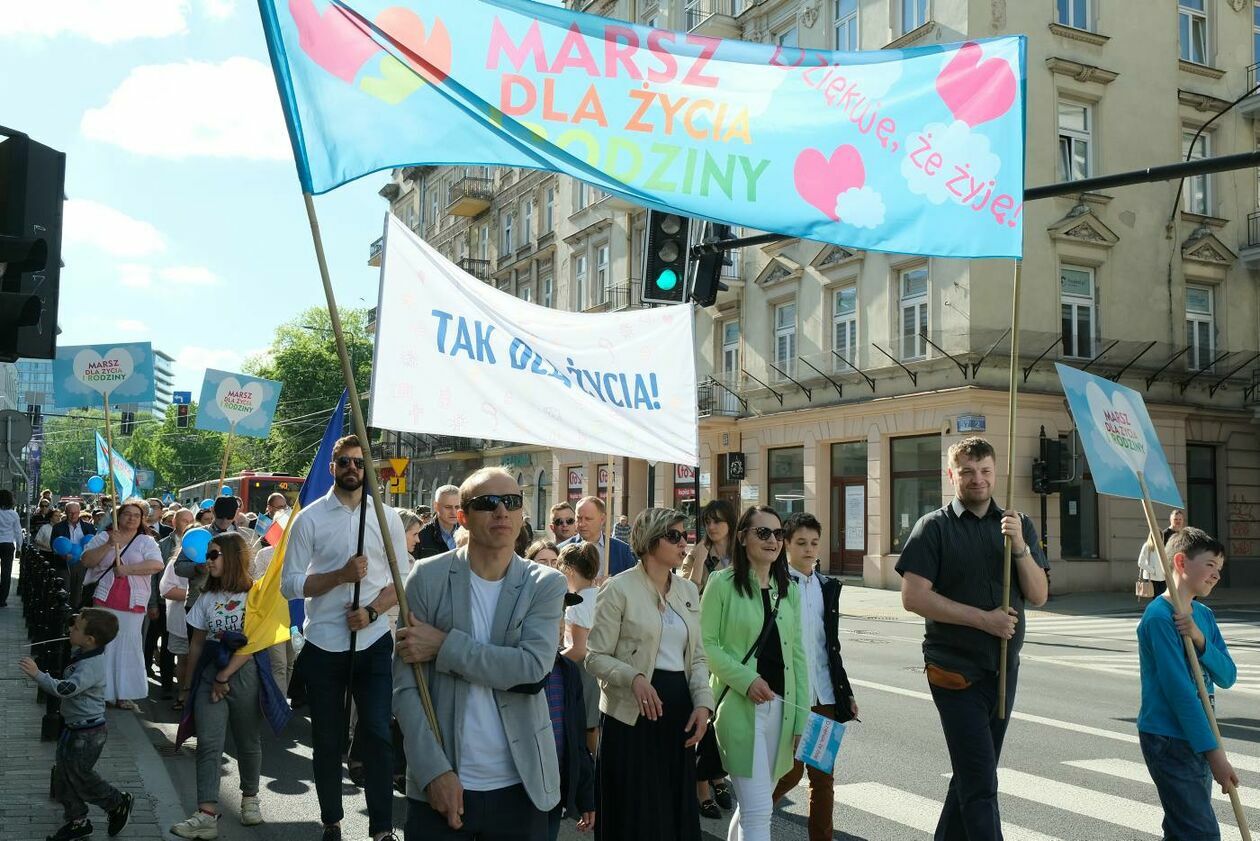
1181 751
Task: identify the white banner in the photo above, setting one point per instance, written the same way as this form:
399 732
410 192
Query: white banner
455 356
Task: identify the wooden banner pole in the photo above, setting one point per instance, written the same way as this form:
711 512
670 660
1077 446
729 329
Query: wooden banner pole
1010 479
1181 605
227 449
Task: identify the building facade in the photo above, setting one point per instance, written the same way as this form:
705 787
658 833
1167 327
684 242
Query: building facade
834 380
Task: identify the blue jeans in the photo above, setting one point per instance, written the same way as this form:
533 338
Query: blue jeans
327 675
1184 782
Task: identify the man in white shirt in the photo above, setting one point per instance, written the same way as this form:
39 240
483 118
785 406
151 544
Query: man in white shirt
321 539
484 624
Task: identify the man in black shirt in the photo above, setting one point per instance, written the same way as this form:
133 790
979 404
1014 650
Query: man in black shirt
951 568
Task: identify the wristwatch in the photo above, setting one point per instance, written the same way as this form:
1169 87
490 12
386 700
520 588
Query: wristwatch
371 612
1027 550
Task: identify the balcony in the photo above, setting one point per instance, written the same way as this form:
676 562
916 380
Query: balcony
1250 251
479 269
374 253
451 444
715 18
1250 107
624 296
714 401
470 196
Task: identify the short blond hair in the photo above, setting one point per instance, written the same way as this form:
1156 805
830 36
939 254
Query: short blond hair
593 500
650 526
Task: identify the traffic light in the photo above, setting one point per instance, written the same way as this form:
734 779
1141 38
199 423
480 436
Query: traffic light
32 180
181 415
1040 478
708 281
665 260
128 423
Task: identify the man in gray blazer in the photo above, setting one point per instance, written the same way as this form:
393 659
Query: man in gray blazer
485 627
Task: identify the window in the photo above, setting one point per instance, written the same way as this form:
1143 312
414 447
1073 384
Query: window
579 283
483 252
730 365
601 273
1198 188
527 222
785 339
549 211
583 197
787 480
1073 13
1255 37
433 208
525 291
845 13
914 313
1200 327
508 242
1192 30
788 38
844 328
1075 127
916 483
546 284
914 13
1076 287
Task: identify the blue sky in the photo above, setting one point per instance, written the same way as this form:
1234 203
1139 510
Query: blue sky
185 224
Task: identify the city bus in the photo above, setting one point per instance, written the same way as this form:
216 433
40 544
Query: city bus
253 488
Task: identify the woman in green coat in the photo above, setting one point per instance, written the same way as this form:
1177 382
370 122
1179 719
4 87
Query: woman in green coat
763 697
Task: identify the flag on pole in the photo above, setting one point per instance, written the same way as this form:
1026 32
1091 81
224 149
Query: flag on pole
268 616
124 473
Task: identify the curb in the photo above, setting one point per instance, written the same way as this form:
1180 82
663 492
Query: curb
158 785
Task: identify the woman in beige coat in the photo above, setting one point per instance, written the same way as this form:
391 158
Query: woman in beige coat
645 649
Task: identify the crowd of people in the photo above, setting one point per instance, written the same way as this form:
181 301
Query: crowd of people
533 679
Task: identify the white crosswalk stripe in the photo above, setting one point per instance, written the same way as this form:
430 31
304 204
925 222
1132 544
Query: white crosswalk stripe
912 810
1127 769
1124 627
1126 663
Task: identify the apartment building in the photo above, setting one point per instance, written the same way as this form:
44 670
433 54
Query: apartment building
834 380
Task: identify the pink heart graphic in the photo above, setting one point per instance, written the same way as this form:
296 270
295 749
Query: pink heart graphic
333 40
821 180
976 91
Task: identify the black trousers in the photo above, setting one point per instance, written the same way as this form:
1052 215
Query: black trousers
974 735
7 551
157 633
505 814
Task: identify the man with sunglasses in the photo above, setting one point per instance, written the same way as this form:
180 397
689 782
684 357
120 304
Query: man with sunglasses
321 565
484 623
563 521
439 536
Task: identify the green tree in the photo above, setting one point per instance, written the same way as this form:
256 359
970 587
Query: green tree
180 457
68 455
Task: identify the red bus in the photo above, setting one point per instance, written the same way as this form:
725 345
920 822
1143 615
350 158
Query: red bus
253 487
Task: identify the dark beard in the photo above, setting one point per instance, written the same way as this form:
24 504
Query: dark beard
348 483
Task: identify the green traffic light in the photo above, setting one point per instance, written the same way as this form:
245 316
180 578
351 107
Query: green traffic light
667 280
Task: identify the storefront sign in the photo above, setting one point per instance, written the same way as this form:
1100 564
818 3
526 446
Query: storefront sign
970 423
749 493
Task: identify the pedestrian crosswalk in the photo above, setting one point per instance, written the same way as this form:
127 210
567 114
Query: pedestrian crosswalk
1126 664
1113 794
1243 632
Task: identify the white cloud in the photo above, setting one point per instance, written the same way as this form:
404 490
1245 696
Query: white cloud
135 275
194 109
195 358
861 207
102 21
131 325
959 150
91 223
219 9
189 276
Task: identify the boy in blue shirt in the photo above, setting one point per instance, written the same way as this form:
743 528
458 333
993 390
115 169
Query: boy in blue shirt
1180 749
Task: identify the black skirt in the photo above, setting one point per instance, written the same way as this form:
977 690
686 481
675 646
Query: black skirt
647 778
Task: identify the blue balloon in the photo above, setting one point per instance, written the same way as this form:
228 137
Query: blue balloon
62 546
225 491
207 504
96 484
194 545
76 553
85 540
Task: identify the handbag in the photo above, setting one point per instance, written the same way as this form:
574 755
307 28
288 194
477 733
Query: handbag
119 595
1144 589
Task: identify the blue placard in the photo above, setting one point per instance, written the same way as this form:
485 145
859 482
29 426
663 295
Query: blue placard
181 398
970 423
1119 438
84 374
820 743
238 403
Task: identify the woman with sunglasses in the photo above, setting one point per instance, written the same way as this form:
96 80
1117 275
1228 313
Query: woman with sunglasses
752 638
645 650
121 560
225 687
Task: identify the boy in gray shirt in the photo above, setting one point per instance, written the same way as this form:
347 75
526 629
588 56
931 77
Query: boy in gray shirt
81 689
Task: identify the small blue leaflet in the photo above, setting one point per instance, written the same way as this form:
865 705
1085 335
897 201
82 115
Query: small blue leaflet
820 743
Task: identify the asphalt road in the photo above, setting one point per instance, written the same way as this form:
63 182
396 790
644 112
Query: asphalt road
1071 769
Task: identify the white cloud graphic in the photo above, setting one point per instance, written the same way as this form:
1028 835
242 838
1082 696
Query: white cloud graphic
101 21
135 275
189 276
958 146
100 226
194 109
861 207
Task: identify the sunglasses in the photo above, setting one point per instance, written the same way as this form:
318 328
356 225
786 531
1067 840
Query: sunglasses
765 533
213 554
490 502
559 522
345 461
675 536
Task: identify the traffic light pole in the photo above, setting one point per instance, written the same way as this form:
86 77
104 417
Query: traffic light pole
1169 172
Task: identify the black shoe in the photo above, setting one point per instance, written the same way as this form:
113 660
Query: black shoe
722 794
71 830
709 809
120 814
331 833
389 836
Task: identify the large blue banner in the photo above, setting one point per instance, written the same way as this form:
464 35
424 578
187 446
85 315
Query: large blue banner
917 151
84 375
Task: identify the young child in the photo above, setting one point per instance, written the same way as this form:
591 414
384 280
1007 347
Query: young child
81 689
566 705
1181 752
580 564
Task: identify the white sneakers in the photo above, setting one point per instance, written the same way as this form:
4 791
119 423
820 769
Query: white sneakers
203 826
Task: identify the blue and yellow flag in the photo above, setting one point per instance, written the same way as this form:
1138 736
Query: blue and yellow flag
268 617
